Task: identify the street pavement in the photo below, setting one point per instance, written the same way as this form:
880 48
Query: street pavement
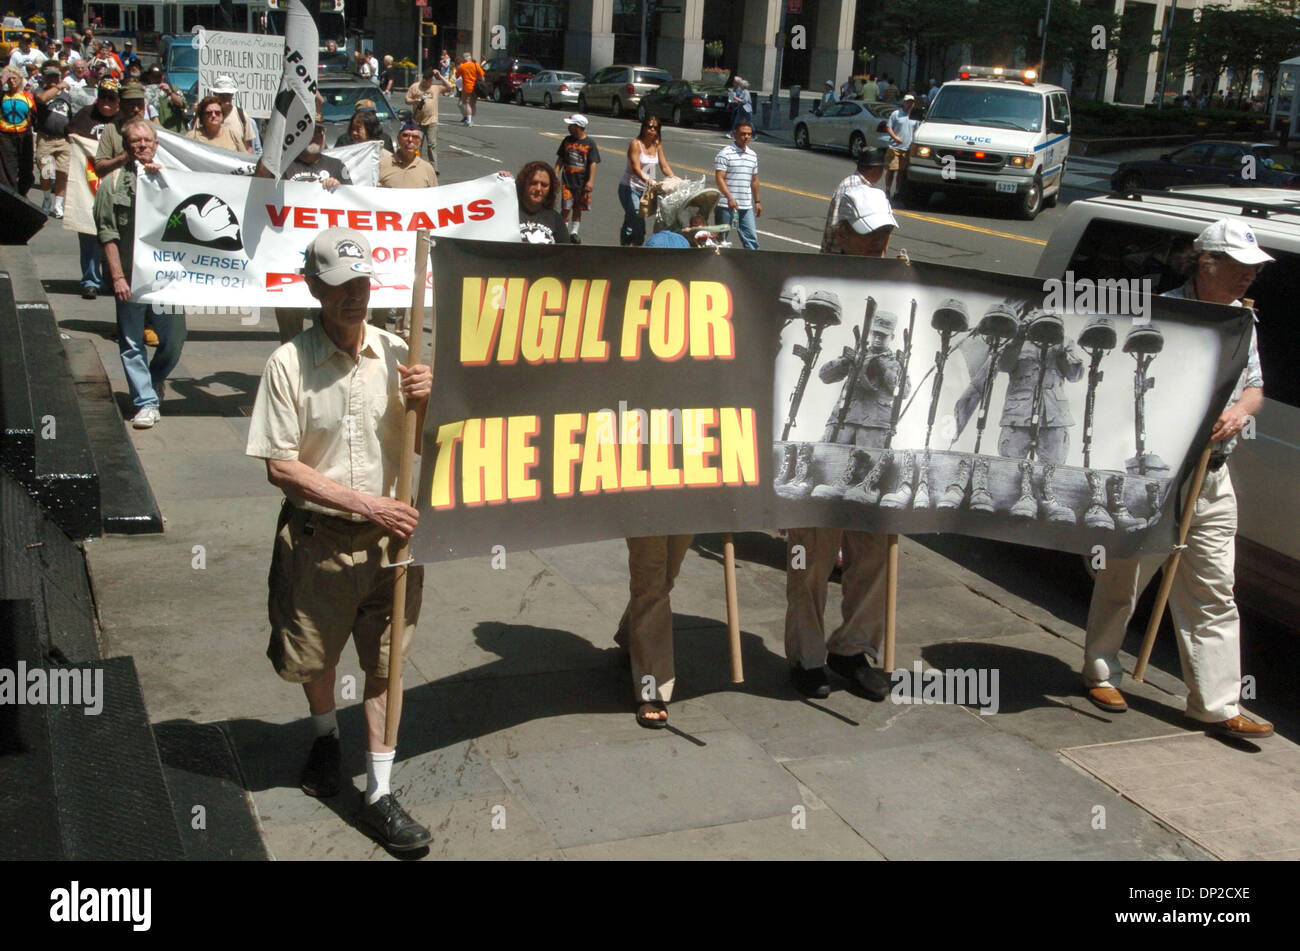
518 739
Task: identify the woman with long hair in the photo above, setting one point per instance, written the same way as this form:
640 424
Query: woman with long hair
209 129
537 187
645 153
364 126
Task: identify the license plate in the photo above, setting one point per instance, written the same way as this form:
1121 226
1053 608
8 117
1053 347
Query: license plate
1009 187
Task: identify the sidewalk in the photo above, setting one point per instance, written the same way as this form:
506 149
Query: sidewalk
518 737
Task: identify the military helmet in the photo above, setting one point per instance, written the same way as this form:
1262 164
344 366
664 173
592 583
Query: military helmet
951 316
822 307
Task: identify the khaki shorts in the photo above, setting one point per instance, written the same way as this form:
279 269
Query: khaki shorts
326 585
53 154
897 161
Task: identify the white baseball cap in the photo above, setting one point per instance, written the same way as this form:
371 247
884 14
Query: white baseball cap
225 84
866 209
577 119
1234 239
337 255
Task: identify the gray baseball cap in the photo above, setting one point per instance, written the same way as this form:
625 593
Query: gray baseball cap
337 255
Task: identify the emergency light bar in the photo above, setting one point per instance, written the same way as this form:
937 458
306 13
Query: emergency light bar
1026 76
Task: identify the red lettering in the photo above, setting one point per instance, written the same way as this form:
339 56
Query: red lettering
451 216
388 221
419 222
333 216
304 217
278 215
276 280
480 209
359 220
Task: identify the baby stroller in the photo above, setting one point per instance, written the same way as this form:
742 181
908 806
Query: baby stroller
677 201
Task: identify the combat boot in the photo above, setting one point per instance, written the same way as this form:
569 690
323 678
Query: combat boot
800 485
786 471
901 497
1153 503
980 498
868 490
854 471
1026 506
921 497
955 494
1097 516
1050 507
1124 520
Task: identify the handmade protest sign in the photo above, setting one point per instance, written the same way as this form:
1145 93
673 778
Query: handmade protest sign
595 393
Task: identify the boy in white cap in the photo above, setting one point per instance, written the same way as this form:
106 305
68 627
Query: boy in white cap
1201 602
575 165
330 580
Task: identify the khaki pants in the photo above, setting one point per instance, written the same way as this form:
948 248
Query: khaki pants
646 629
863 585
429 144
1201 602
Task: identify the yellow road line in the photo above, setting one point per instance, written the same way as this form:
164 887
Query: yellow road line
907 214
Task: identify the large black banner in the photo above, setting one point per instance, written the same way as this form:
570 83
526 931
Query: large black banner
590 393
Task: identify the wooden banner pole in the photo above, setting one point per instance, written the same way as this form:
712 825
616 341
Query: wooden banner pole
1171 566
891 602
397 630
733 607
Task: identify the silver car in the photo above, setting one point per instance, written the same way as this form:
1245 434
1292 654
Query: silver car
551 88
619 88
850 125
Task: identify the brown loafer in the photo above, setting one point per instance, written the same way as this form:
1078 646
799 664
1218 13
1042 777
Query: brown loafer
1239 728
1108 699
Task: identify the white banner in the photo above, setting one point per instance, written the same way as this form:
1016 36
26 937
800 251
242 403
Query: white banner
255 61
190 155
229 240
289 130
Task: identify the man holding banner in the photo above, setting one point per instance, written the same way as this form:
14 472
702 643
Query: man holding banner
330 579
1201 601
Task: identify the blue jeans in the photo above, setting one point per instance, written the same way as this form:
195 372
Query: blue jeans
144 376
92 261
744 223
633 230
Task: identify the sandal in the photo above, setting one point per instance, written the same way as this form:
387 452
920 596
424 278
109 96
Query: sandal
648 707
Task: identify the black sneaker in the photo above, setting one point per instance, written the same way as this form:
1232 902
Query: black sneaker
320 777
870 682
574 239
89 293
391 825
811 683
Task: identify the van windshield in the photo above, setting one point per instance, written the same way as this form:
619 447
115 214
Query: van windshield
987 106
182 59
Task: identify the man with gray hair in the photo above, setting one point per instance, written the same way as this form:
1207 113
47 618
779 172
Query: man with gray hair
1201 601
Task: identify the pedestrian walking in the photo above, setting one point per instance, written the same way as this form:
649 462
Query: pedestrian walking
645 155
575 164
735 169
423 97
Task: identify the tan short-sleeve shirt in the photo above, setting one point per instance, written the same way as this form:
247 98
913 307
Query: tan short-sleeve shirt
416 173
340 417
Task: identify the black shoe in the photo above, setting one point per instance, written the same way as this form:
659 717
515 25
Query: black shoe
811 683
870 682
574 239
320 777
391 825
89 293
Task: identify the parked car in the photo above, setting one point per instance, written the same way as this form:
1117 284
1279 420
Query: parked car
551 87
619 88
1211 163
684 103
503 75
341 96
851 125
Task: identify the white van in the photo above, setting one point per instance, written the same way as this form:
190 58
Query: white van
996 132
1149 237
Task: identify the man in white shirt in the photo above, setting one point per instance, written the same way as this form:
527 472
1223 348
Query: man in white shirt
899 128
25 54
735 170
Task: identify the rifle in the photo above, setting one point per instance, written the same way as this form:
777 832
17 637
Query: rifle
1141 383
859 356
904 358
1045 331
808 355
1098 337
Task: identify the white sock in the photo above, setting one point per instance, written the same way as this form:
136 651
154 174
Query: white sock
323 724
573 227
58 204
379 766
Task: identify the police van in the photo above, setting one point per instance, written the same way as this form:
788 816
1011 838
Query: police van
1147 236
996 132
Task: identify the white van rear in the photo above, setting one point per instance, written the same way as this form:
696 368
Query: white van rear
994 132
